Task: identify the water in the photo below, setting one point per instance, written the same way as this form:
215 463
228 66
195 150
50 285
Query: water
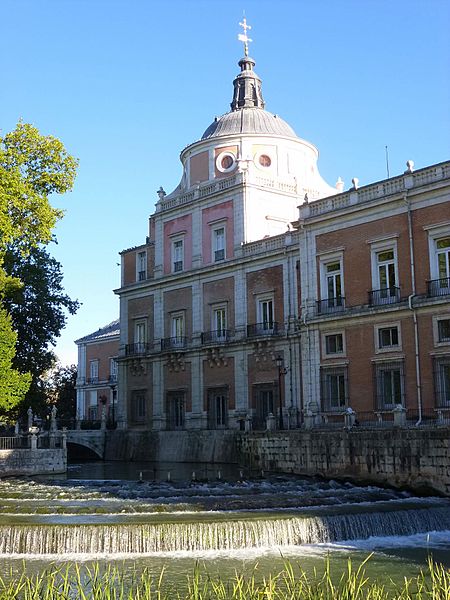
172 515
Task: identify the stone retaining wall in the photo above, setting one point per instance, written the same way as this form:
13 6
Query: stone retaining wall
32 462
172 446
413 458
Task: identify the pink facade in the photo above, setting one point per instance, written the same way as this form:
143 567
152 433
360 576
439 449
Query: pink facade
179 228
218 215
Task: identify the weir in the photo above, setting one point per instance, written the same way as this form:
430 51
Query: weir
113 517
234 533
147 538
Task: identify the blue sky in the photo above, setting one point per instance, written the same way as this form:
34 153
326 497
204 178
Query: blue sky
127 84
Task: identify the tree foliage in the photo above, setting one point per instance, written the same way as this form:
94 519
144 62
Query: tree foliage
32 167
38 309
61 391
13 385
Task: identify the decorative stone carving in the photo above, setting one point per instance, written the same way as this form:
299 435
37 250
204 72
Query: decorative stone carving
138 367
175 362
264 354
217 358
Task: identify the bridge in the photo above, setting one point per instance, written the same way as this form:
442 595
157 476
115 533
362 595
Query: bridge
93 440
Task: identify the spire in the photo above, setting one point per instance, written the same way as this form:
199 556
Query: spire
243 37
247 85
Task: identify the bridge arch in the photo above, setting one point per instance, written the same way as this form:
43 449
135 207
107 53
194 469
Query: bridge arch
85 444
78 451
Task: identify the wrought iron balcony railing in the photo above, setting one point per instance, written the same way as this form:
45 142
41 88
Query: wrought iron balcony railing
389 295
219 336
263 329
330 305
438 287
174 343
137 349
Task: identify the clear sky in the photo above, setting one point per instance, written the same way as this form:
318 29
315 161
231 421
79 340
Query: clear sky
127 84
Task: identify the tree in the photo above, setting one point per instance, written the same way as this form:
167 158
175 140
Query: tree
13 385
61 391
32 167
38 309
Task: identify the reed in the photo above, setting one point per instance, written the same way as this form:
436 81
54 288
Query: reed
75 582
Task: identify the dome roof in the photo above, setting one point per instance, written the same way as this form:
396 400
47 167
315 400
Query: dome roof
248 120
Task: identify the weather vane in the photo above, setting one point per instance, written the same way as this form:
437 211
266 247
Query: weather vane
243 37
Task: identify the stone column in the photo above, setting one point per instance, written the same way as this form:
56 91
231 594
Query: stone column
122 396
271 422
399 416
103 419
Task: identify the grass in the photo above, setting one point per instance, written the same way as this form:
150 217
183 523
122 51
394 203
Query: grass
75 582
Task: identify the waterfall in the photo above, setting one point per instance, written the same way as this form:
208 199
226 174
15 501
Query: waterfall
219 535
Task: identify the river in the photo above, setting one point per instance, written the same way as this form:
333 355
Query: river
172 515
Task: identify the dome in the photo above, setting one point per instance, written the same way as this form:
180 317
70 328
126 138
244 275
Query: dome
247 121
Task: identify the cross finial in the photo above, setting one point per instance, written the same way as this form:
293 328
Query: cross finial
243 37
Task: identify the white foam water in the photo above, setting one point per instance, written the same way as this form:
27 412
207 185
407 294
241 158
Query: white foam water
199 536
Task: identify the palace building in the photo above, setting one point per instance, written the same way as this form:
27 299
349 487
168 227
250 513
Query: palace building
264 298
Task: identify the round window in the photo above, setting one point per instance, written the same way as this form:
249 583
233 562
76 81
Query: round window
227 162
264 160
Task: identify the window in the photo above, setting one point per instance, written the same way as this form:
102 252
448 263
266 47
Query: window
442 380
93 406
218 242
386 269
138 405
384 274
265 404
388 337
113 369
444 330
218 408
265 314
264 160
334 388
334 343
389 384
175 409
439 249
141 266
177 329
331 285
333 275
225 162
443 259
140 336
93 371
219 324
177 255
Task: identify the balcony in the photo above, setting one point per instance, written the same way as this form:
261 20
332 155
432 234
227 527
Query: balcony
269 328
390 295
330 305
220 336
174 343
438 287
219 255
137 349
